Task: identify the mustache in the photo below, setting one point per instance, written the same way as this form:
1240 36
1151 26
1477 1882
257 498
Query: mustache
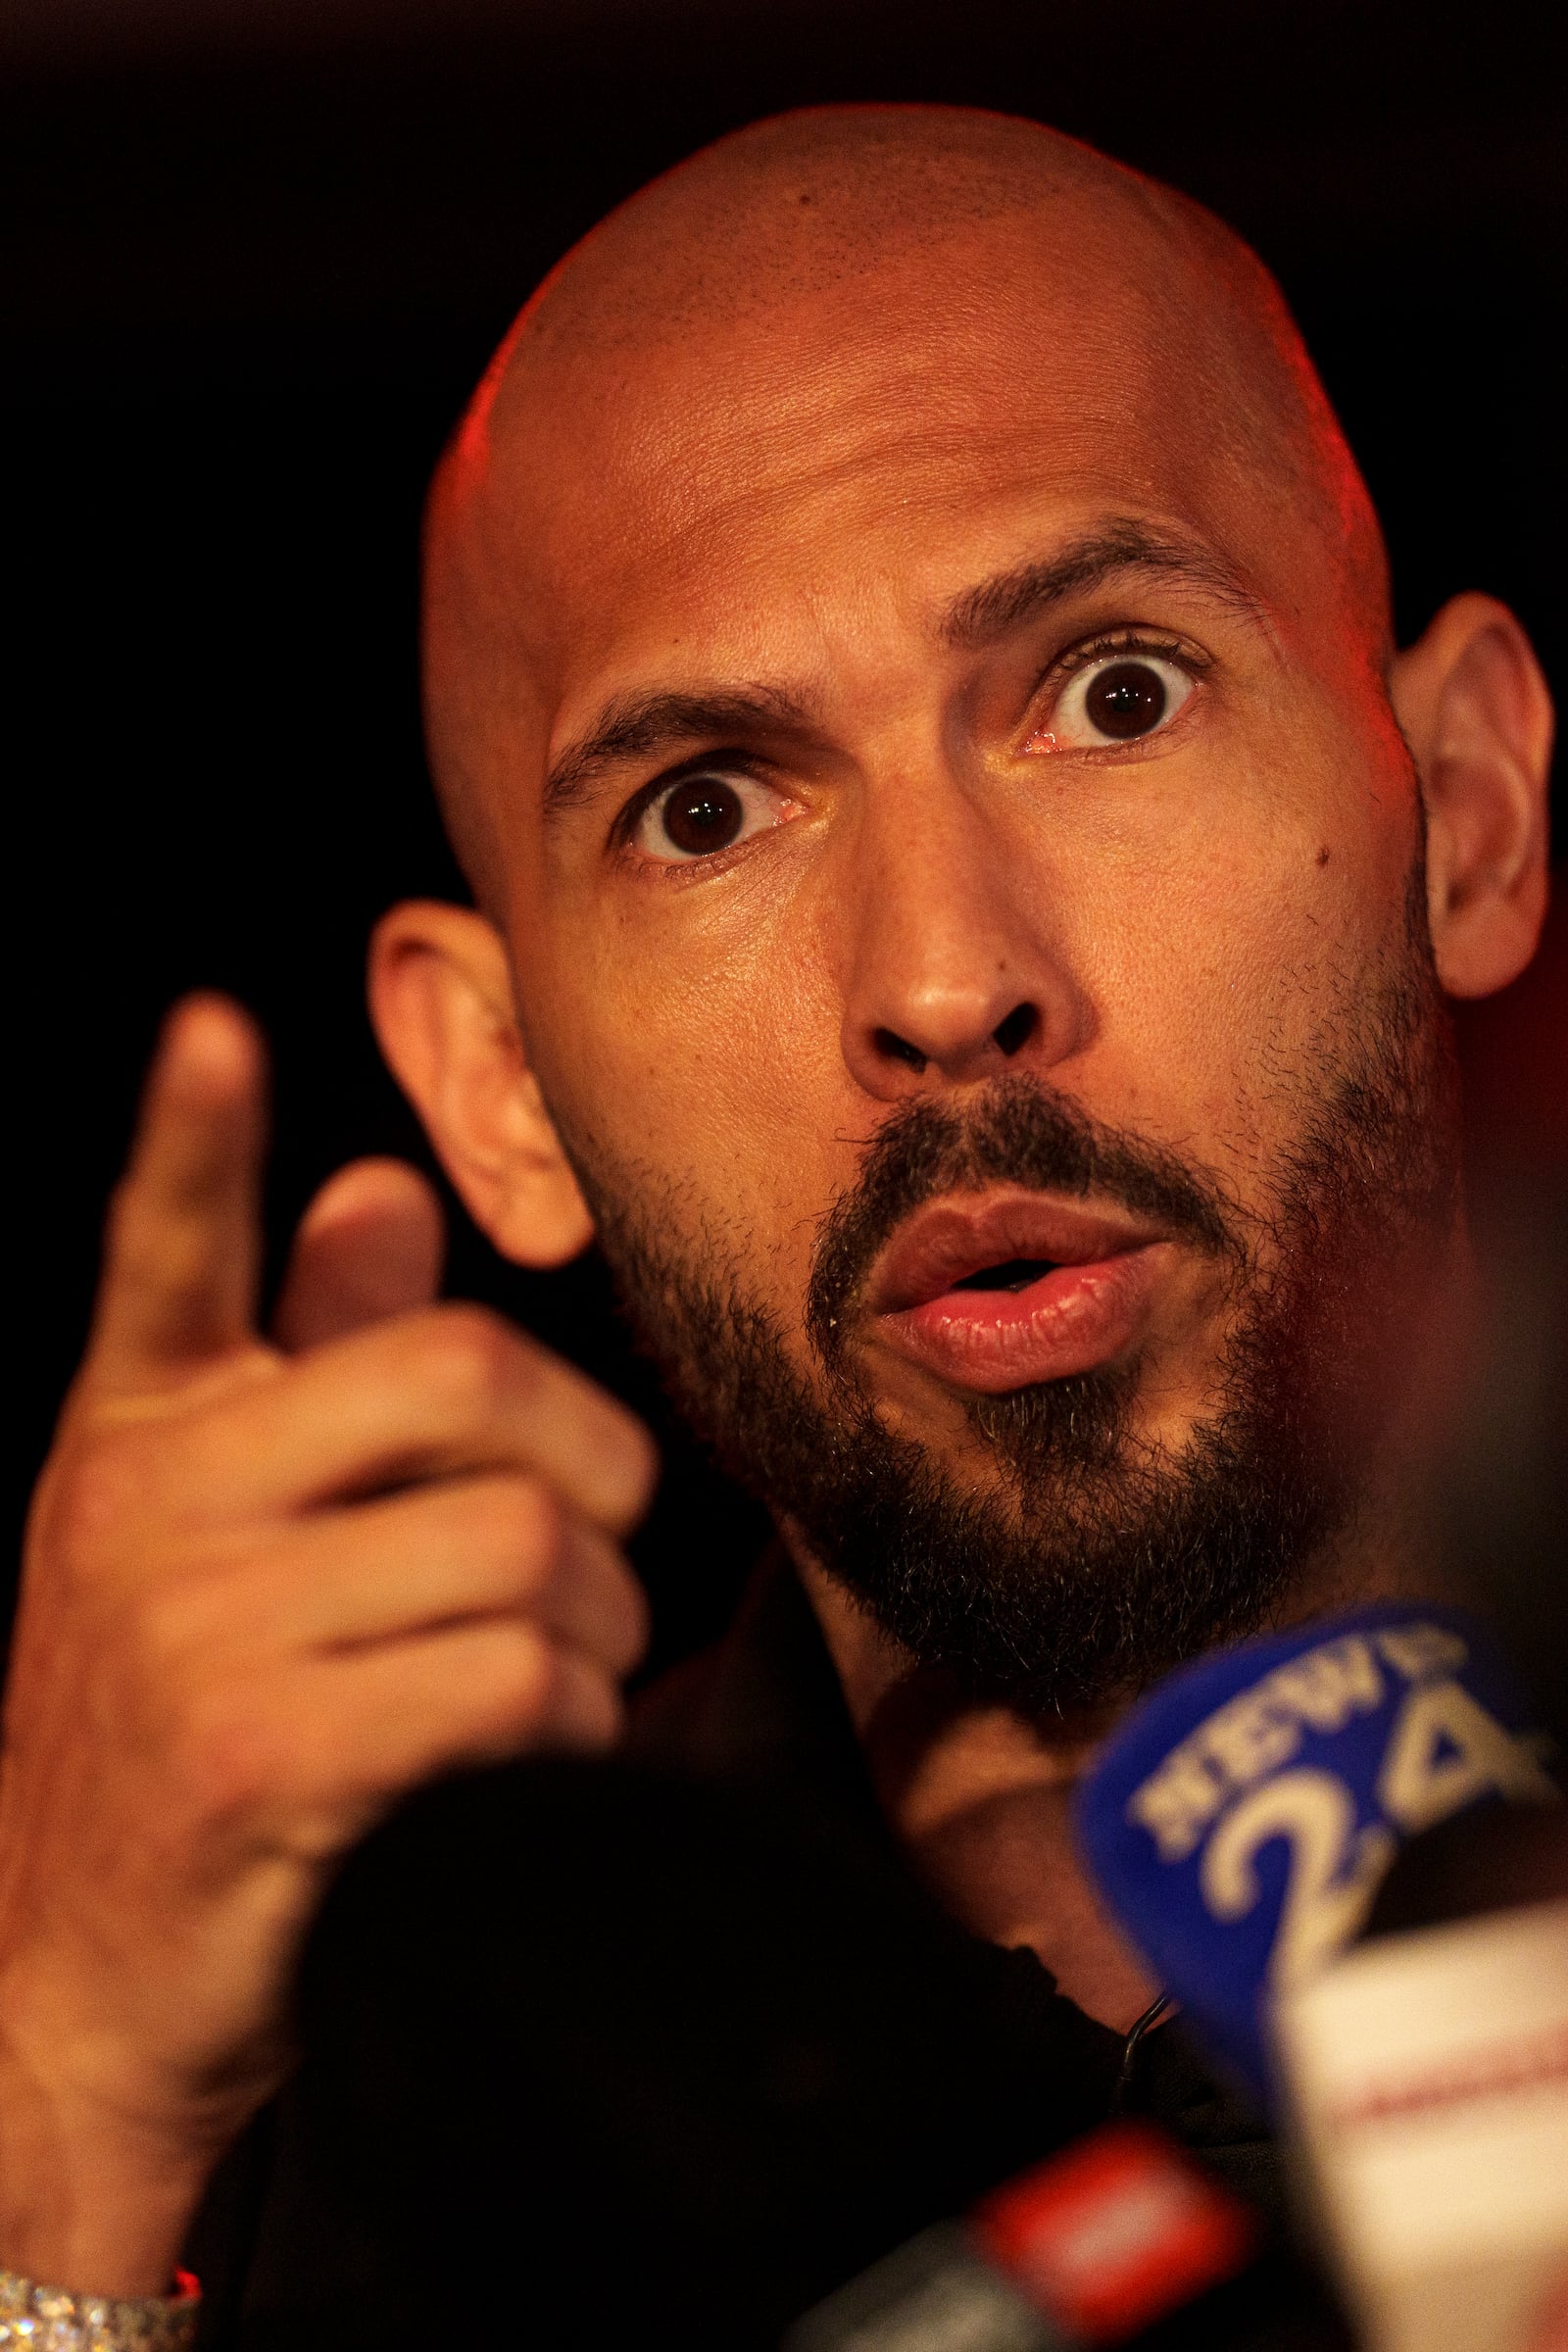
1018 1132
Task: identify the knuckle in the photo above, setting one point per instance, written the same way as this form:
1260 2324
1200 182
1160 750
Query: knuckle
637 1620
522 1522
103 1495
535 1672
627 1470
515 1697
468 1358
227 1756
641 1466
548 1697
586 1709
172 1623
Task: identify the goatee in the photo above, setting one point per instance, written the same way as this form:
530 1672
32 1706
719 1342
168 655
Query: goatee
1093 1559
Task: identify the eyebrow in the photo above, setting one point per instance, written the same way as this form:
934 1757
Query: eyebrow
1009 599
638 725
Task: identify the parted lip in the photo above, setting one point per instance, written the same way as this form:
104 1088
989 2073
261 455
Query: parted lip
958 1236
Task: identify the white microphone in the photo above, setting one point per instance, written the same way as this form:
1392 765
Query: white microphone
1424 2082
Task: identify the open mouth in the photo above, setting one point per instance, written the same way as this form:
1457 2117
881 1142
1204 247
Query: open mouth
1014 1274
1010 1288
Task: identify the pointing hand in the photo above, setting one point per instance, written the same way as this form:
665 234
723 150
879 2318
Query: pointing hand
269 1586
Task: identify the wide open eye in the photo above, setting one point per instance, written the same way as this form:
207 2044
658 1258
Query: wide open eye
707 813
1117 697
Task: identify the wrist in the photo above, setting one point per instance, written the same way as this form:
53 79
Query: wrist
91 2200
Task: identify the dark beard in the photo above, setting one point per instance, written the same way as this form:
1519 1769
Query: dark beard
1097 1561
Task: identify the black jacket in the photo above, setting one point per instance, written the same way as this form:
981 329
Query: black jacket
654 2051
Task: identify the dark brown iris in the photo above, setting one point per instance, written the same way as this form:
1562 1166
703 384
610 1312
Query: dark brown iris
704 814
1125 700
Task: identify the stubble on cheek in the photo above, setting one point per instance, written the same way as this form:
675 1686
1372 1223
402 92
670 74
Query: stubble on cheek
1061 1543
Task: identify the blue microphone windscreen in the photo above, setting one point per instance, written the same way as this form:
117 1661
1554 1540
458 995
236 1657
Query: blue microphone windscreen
1241 1818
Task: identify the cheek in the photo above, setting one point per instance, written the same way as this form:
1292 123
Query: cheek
1228 945
716 1073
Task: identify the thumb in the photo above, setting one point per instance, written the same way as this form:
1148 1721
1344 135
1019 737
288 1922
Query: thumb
369 1246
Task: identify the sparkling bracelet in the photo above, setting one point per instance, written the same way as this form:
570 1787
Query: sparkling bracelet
50 2319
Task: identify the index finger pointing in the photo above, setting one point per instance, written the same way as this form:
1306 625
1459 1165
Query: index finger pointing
182 1247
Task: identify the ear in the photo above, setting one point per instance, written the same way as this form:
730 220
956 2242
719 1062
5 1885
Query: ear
1475 710
440 991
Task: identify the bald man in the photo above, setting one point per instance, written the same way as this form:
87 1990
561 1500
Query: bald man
967 894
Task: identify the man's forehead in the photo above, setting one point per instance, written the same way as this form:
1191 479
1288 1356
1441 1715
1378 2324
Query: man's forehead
833 352
909 443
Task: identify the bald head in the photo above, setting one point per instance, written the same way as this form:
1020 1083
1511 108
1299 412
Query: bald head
967 880
956 294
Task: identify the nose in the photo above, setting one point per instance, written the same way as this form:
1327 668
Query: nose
956 970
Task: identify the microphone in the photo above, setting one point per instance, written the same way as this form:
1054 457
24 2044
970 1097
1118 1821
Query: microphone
1425 2081
1260 1812
1241 1818
1124 2238
1241 1823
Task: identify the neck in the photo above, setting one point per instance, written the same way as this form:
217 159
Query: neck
981 1800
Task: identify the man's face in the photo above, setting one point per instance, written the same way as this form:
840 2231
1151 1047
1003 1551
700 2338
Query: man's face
972 944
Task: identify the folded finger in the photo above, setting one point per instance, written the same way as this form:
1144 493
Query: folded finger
448 1392
401 1565
372 1724
368 1247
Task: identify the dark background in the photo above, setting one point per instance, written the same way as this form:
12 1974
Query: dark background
257 255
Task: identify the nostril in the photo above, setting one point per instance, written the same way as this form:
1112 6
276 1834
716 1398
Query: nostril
899 1048
1017 1029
